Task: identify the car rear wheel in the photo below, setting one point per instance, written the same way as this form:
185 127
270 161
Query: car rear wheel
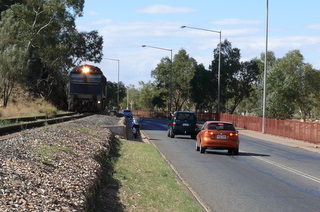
171 133
236 151
233 151
202 149
197 147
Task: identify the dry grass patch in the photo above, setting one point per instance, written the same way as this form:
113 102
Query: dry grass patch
24 104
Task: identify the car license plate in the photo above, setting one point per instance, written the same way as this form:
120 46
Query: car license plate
221 137
185 124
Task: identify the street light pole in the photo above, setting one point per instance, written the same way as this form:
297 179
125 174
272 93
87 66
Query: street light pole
118 76
154 47
265 73
219 66
127 97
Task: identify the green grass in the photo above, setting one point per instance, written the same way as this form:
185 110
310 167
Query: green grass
144 181
4 123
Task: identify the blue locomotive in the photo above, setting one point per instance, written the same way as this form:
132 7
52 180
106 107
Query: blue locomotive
87 89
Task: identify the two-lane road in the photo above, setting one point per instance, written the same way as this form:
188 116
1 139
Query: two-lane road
263 177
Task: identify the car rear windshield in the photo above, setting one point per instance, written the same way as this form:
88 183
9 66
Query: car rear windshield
221 126
186 116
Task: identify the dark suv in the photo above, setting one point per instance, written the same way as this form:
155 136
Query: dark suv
183 123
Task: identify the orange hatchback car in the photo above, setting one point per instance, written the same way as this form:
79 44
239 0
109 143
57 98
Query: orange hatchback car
218 135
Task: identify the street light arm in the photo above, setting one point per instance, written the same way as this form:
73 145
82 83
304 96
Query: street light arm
111 59
219 65
156 47
209 30
118 93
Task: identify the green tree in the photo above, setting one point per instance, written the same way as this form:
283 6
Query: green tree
291 87
230 64
13 54
112 94
255 101
132 98
52 43
111 99
148 94
243 83
313 78
182 74
6 4
236 78
203 92
162 74
184 68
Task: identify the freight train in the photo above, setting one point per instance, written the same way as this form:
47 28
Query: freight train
87 89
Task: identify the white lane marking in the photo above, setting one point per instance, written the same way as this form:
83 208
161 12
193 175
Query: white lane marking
310 177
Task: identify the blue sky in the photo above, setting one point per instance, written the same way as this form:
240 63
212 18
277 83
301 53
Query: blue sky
127 25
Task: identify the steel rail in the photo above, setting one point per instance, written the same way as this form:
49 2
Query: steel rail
35 122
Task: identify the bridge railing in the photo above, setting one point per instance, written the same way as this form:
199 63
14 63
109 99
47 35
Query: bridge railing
305 131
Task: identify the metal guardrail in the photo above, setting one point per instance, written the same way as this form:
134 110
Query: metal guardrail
33 122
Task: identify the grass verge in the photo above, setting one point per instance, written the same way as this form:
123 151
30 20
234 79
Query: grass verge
138 179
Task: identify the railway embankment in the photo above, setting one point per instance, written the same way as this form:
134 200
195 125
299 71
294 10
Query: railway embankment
56 167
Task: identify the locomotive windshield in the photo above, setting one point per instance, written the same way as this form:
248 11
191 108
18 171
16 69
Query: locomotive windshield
77 78
94 78
85 78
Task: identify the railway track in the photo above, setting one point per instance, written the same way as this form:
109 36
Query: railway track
22 123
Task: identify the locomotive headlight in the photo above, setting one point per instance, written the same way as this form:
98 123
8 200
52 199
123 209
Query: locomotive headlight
99 102
85 69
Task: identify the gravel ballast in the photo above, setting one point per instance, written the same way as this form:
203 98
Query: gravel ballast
54 168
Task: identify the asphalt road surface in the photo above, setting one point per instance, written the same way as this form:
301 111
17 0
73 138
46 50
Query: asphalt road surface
265 176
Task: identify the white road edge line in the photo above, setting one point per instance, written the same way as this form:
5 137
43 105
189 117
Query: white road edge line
310 177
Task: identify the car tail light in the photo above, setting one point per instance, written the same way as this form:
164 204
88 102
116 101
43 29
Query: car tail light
209 133
174 123
233 134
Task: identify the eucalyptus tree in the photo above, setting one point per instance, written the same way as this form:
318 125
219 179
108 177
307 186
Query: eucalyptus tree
236 78
112 94
183 68
149 94
243 83
52 43
230 64
253 103
162 75
203 91
6 4
13 54
292 87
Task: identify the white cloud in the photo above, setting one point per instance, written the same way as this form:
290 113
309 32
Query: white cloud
164 9
313 26
101 22
123 40
92 13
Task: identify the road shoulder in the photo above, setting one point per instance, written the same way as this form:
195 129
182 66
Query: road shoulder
281 140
